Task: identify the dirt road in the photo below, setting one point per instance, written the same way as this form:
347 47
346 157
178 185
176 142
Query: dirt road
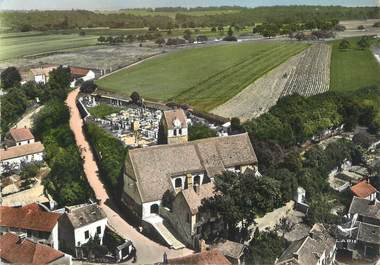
148 251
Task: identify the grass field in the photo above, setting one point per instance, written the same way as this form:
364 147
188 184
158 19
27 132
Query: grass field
353 68
102 110
202 77
24 44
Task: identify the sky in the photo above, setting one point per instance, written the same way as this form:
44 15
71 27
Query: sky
117 4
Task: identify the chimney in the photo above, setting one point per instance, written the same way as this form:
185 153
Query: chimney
189 181
196 188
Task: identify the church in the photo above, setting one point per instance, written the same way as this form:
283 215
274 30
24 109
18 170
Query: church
185 169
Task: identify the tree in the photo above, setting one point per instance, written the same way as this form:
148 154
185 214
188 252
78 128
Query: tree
10 77
136 98
187 35
200 131
236 125
265 247
60 78
168 198
363 139
82 33
101 39
160 41
364 42
230 32
88 87
344 44
241 197
213 29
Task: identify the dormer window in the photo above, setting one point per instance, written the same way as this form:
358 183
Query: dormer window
178 183
177 123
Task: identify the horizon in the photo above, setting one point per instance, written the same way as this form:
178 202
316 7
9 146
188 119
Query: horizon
22 5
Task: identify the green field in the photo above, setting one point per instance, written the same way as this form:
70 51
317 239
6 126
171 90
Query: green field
202 77
353 68
23 44
102 110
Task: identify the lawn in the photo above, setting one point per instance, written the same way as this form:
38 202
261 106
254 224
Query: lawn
203 77
102 110
24 44
353 68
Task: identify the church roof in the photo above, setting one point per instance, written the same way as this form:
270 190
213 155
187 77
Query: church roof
153 167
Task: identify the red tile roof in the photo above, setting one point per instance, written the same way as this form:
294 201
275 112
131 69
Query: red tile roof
23 251
363 189
21 150
203 258
28 217
79 72
21 134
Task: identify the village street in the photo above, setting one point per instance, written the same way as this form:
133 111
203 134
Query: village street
148 251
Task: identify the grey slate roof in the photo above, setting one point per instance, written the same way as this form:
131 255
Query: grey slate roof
368 233
152 167
85 214
365 208
309 249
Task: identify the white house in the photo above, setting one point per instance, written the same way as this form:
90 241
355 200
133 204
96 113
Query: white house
32 221
78 73
13 157
21 136
41 74
364 190
79 224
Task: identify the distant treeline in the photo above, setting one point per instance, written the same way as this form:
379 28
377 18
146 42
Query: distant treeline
185 9
75 19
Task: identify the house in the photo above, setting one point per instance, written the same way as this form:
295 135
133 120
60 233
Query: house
364 190
80 223
368 239
151 171
33 221
361 235
202 258
185 217
368 211
173 127
21 136
19 250
41 74
79 73
319 247
233 251
13 157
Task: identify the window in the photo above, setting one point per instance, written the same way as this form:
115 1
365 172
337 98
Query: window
175 132
237 168
154 208
178 183
28 142
180 131
99 230
86 234
197 180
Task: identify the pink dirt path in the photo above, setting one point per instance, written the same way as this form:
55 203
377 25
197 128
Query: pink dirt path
148 251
